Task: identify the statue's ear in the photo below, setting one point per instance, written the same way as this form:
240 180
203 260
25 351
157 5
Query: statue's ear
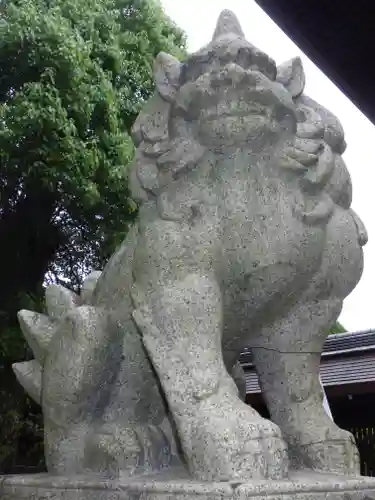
292 76
167 71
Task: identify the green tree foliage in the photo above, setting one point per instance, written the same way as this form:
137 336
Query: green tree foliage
338 328
73 76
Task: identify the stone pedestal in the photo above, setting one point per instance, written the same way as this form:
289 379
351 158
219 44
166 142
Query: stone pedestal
300 486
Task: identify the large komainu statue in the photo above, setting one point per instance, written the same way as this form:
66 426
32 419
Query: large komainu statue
245 237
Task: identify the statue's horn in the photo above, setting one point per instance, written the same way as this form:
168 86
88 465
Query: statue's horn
227 23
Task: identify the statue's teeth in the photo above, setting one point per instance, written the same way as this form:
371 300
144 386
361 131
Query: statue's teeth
60 300
29 375
38 330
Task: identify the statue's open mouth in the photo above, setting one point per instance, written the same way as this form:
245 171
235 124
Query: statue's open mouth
234 108
234 92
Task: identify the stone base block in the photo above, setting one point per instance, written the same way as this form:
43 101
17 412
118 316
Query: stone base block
300 486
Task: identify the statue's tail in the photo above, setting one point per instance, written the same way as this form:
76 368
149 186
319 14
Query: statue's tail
39 330
72 369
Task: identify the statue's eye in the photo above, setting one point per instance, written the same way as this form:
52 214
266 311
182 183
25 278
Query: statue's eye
301 115
244 57
305 114
197 66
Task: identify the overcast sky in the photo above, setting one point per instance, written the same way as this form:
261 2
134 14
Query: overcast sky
198 18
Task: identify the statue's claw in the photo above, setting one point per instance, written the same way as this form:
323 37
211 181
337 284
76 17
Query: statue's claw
241 444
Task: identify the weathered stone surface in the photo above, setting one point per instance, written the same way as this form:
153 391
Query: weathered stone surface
245 238
29 375
301 486
89 285
38 330
59 301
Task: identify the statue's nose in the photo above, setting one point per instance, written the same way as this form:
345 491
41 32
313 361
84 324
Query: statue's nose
232 74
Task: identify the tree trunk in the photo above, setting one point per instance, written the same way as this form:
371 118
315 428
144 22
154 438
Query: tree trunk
29 243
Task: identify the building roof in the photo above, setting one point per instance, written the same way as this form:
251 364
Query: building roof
347 358
337 35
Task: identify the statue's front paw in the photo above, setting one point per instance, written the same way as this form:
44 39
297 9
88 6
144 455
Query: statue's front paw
264 455
235 443
321 445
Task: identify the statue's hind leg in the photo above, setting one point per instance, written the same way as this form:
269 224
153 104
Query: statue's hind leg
136 435
222 438
287 359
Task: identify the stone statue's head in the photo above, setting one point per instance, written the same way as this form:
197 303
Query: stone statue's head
230 95
227 93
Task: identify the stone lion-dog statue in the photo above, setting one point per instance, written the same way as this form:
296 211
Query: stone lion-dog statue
244 238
